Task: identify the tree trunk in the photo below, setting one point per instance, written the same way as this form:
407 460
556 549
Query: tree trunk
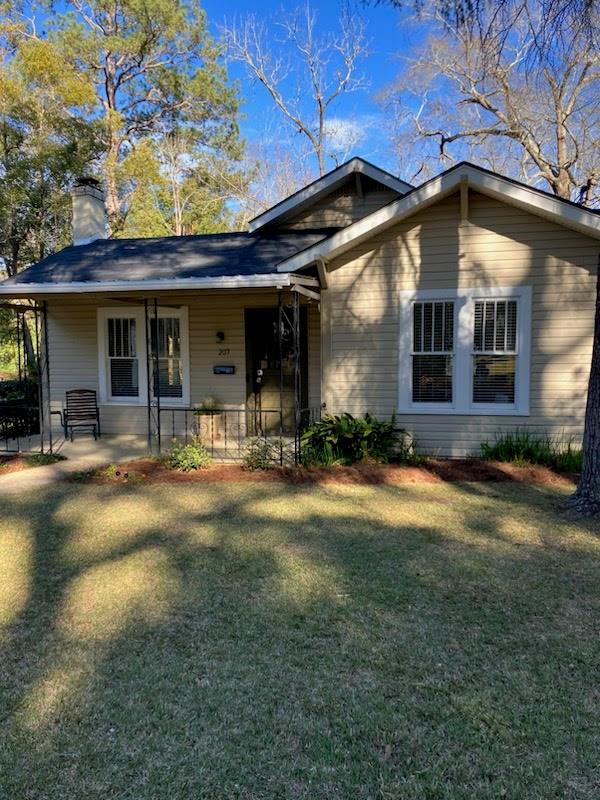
586 499
32 364
113 205
111 161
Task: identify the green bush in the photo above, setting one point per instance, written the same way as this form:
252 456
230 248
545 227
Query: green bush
346 439
525 447
188 457
111 471
261 454
43 459
14 390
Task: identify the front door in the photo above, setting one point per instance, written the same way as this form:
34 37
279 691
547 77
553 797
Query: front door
264 378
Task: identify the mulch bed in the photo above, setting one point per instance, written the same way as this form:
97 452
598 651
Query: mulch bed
431 471
16 462
13 464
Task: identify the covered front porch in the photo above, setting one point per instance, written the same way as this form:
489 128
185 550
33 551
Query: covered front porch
220 365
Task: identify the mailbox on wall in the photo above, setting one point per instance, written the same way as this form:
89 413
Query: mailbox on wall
224 369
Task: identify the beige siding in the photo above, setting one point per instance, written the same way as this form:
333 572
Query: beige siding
498 246
342 207
72 330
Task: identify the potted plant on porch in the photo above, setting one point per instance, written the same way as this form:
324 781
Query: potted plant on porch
210 419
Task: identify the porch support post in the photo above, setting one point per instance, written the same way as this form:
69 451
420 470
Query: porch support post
26 359
280 357
47 371
40 377
157 375
148 387
18 324
297 377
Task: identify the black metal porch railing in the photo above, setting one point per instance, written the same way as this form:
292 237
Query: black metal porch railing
19 424
226 433
25 409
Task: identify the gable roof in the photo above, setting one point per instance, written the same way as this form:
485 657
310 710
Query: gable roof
325 185
267 257
221 259
527 198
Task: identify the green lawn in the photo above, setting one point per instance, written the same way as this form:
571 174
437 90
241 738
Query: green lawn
260 640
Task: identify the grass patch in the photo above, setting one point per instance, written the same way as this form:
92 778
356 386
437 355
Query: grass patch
43 459
18 462
263 640
523 447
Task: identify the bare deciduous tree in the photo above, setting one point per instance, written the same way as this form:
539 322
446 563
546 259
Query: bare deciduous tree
551 20
477 86
303 72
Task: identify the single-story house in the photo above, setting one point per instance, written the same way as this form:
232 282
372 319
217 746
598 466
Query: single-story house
464 305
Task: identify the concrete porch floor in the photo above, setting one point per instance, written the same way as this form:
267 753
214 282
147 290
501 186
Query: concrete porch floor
104 450
81 454
85 449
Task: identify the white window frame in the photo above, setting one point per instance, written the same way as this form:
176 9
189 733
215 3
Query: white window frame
104 314
462 372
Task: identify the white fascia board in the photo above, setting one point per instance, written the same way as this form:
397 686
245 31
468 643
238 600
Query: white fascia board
323 185
371 171
177 285
541 205
520 196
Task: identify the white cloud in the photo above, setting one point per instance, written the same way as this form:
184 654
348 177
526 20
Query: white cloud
345 135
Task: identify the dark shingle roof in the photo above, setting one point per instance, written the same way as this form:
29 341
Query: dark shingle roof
169 258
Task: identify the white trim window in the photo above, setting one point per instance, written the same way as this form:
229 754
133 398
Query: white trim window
432 351
465 351
122 356
494 351
168 347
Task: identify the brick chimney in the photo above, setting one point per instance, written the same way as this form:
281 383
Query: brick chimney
89 213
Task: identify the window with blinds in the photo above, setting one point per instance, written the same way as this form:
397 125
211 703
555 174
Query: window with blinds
122 357
494 351
432 353
166 344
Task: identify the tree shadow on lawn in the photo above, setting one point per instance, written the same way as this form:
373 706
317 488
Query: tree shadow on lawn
262 640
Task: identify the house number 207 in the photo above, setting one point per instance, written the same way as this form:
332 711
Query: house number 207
224 351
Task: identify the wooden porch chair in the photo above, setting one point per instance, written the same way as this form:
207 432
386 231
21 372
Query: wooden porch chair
81 411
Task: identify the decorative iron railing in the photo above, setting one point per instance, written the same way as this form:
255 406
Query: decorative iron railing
227 432
19 425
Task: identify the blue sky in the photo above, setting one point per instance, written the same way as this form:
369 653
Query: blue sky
388 35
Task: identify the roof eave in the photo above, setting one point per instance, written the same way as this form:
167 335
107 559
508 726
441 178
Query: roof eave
270 280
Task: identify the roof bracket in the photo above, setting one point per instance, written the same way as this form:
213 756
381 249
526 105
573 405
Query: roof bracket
322 270
359 186
305 280
306 292
464 198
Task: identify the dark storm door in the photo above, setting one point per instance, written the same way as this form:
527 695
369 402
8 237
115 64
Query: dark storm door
263 374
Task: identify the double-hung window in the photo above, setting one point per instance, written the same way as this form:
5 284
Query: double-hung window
432 351
122 363
465 351
166 344
131 359
494 351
